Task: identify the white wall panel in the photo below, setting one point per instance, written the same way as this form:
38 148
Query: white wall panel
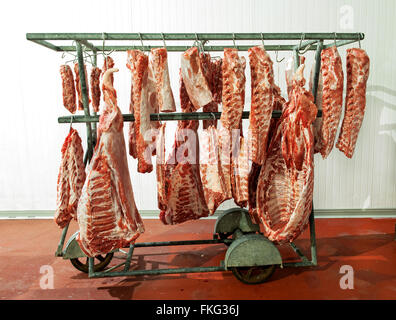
30 138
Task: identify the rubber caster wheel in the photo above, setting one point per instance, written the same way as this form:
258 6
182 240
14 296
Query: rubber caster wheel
100 262
253 275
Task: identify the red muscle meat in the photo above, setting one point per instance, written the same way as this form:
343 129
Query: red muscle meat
262 81
106 213
233 93
132 129
78 86
144 103
333 84
196 84
159 64
240 172
95 88
213 74
214 185
185 199
285 185
68 89
71 179
108 63
358 68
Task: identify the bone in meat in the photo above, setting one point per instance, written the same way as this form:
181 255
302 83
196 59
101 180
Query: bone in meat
196 84
132 129
285 185
71 179
333 83
106 213
159 63
358 69
68 89
78 86
95 88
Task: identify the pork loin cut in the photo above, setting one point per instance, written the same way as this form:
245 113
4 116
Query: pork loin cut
95 88
333 84
285 184
196 84
318 102
78 85
240 172
159 64
68 89
358 68
106 213
233 93
71 179
132 129
262 81
144 102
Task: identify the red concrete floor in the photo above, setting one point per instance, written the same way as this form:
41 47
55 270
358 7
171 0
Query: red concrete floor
367 245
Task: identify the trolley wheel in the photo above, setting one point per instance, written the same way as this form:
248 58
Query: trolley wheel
225 235
102 263
253 275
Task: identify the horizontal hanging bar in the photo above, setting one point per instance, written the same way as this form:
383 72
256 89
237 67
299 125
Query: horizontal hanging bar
195 36
173 116
180 243
184 48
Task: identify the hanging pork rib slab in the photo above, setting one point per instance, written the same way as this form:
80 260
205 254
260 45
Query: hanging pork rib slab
107 214
285 185
68 89
333 84
194 79
71 179
233 93
143 92
262 102
78 86
95 88
159 64
358 68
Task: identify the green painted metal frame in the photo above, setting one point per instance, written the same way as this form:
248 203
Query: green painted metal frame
312 41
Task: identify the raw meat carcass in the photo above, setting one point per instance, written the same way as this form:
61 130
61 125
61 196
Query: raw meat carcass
143 92
78 86
289 72
161 168
318 102
333 84
185 199
132 129
108 63
285 185
262 82
213 75
159 64
211 170
240 172
358 68
196 84
71 179
107 214
95 88
68 89
233 93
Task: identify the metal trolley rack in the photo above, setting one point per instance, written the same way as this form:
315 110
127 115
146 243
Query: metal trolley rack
251 257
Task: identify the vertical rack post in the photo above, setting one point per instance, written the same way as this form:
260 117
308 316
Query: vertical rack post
84 93
312 232
95 62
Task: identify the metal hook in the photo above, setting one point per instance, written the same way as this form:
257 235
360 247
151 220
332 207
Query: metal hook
233 39
300 53
213 115
262 39
141 41
71 122
276 57
335 37
359 39
163 39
